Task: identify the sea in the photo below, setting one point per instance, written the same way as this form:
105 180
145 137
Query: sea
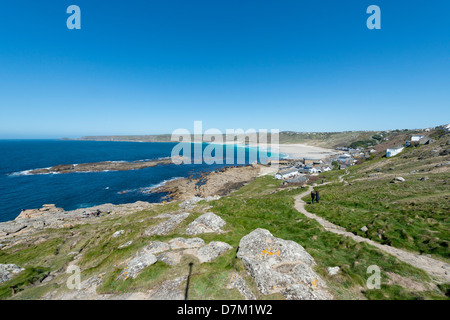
20 190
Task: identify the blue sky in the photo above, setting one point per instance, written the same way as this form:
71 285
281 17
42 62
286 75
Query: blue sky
146 67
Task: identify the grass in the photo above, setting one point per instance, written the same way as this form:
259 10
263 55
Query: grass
412 215
24 280
275 212
259 204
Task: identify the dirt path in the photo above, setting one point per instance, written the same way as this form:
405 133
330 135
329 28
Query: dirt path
438 270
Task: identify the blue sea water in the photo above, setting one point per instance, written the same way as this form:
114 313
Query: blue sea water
79 190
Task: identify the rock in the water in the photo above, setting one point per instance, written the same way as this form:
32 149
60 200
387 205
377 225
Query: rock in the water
167 226
118 233
8 271
280 266
206 223
186 243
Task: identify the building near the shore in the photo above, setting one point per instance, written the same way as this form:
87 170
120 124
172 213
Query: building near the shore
280 162
390 152
417 138
343 158
312 161
287 174
315 170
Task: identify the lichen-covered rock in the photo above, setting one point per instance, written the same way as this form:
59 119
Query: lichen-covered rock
212 250
155 247
280 266
11 227
170 258
186 243
190 203
238 282
261 245
196 247
126 244
137 264
212 198
333 270
398 179
167 226
8 271
144 258
169 290
300 292
118 233
206 223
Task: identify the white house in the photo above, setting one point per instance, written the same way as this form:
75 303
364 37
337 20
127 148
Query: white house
390 152
314 170
287 174
416 138
447 127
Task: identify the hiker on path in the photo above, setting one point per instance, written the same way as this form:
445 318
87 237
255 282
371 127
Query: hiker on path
313 196
317 196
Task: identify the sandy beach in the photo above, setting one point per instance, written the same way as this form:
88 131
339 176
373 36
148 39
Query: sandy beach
299 151
292 151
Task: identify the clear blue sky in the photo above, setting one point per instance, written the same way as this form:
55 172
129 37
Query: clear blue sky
146 67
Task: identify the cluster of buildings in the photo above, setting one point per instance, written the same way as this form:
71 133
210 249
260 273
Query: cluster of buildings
415 140
447 127
298 171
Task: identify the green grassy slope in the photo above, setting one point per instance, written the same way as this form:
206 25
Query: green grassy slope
260 204
412 215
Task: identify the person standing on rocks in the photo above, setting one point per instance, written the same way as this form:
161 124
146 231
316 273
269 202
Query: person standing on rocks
313 196
317 196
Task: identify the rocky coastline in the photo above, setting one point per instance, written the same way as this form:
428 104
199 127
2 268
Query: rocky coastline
215 183
103 166
209 186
